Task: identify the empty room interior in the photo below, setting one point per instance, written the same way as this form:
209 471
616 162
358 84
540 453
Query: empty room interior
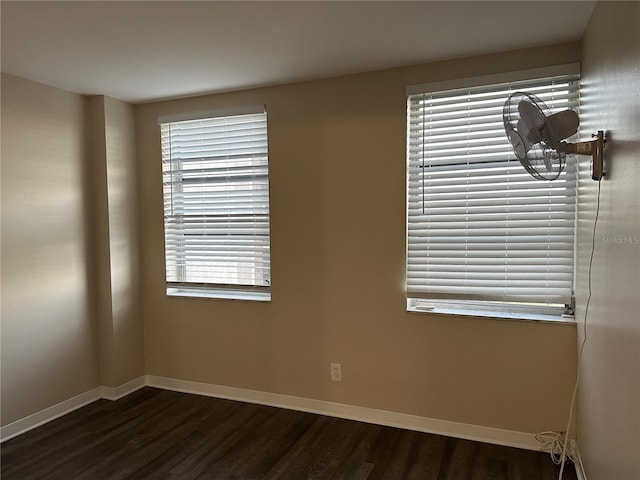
271 205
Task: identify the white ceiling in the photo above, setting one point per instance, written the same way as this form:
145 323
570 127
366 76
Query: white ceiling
147 50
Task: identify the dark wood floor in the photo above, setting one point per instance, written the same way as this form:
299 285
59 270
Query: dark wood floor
158 434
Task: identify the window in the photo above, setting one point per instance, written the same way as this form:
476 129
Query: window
216 205
483 236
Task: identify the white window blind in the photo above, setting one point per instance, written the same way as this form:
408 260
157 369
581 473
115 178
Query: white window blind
216 204
480 229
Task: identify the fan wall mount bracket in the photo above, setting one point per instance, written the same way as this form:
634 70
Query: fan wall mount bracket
595 148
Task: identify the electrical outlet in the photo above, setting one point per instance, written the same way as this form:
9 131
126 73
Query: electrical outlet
336 372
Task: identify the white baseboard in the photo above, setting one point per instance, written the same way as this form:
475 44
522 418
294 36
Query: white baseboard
51 413
115 393
351 412
363 414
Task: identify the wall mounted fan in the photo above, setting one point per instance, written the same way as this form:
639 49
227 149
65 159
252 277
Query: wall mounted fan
537 135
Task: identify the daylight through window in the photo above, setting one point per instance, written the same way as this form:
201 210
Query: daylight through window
216 206
482 234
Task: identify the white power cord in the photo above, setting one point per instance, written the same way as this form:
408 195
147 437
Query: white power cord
561 445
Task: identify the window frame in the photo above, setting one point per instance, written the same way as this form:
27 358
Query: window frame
176 285
474 307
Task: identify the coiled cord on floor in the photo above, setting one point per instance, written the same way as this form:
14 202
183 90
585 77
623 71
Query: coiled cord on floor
559 445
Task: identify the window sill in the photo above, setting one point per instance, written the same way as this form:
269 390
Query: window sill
221 294
517 316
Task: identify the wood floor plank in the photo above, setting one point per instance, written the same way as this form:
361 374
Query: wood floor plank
425 460
155 434
356 464
295 462
195 444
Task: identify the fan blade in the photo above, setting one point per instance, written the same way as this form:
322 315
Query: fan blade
529 137
520 147
547 161
531 122
561 125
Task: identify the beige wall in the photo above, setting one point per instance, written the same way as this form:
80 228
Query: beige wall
122 195
115 240
71 314
48 334
337 173
609 396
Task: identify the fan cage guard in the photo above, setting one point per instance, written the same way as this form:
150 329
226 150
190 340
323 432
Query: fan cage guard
541 160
